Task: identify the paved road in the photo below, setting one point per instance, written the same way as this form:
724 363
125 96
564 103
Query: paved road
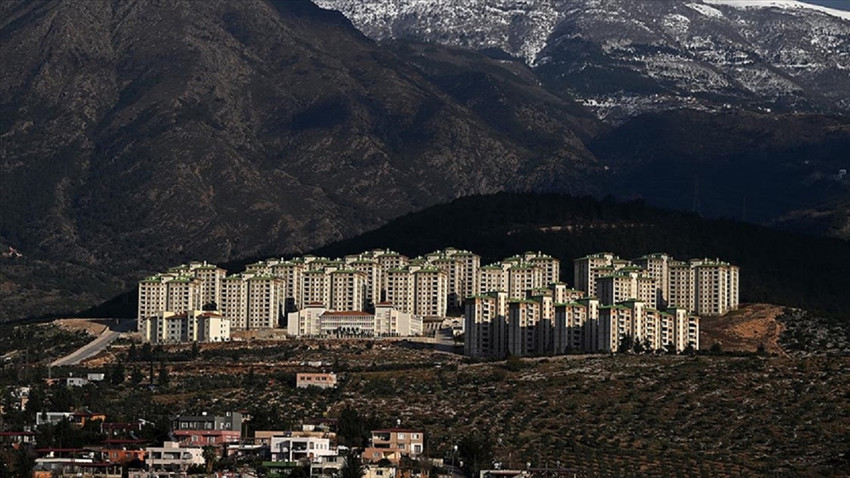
97 345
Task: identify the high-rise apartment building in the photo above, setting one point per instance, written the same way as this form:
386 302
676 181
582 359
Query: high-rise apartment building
430 292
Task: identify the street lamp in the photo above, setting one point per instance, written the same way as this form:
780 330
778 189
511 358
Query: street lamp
454 455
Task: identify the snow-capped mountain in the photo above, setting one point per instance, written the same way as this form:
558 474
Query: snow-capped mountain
622 57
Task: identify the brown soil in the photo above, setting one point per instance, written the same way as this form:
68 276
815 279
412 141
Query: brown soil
744 329
93 327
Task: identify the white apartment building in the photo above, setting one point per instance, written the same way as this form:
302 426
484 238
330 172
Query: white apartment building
522 277
391 321
152 296
373 275
528 328
348 290
430 292
265 302
172 456
570 326
627 283
656 266
315 287
195 326
398 289
300 448
388 259
485 325
550 267
681 284
586 271
291 273
455 279
470 263
234 300
492 278
704 286
715 286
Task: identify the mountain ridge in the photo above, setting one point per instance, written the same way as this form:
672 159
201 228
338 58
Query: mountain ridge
626 58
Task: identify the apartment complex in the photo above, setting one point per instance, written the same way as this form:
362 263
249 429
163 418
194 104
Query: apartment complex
268 292
701 286
497 326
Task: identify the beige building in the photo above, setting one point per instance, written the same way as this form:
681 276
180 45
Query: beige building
430 289
316 320
522 277
290 272
715 286
486 325
315 379
307 321
394 442
492 278
398 290
234 300
315 287
703 286
586 271
265 302
348 290
195 326
550 267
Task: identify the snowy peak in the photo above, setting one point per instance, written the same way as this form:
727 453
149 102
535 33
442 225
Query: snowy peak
783 4
625 57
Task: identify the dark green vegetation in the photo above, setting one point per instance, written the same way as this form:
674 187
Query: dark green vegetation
776 267
32 344
753 167
622 415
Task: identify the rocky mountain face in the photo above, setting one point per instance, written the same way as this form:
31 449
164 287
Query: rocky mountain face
626 57
140 134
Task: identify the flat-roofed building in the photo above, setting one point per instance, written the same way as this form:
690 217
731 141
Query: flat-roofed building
485 325
430 289
492 278
315 379
348 290
315 287
234 300
307 321
265 302
398 291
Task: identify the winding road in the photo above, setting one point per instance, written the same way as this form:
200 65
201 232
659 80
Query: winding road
112 332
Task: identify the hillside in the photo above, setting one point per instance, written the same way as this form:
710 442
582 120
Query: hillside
624 415
776 267
139 134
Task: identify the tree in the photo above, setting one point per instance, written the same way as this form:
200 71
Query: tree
475 452
625 343
147 353
210 454
352 467
117 374
132 353
136 376
164 376
195 350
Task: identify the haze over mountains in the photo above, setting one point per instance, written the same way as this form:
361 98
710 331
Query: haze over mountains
136 135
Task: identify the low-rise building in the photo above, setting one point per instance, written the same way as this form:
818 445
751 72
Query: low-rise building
205 430
310 379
